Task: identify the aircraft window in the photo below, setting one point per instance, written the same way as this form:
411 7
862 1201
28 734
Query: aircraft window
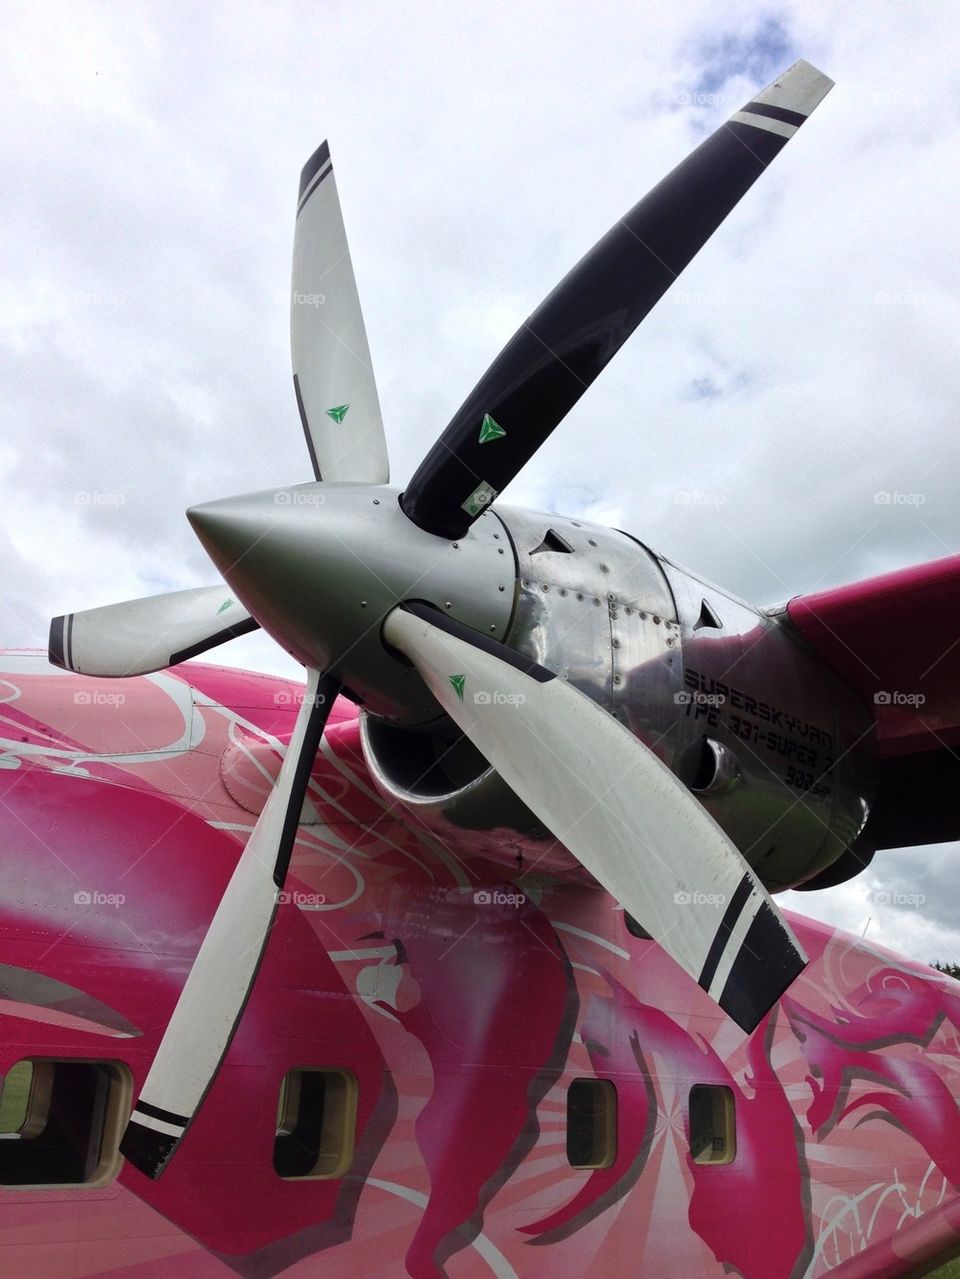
316 1123
713 1130
61 1122
591 1123
15 1098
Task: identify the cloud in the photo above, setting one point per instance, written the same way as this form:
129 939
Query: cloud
805 363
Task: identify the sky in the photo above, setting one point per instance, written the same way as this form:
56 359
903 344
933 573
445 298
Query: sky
784 420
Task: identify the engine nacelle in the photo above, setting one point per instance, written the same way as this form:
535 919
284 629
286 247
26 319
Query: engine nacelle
446 785
729 697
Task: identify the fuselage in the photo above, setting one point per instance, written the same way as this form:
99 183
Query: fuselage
450 1064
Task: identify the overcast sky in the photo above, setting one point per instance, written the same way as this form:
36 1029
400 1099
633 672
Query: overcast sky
805 362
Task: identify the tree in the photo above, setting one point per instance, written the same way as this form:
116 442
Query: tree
952 970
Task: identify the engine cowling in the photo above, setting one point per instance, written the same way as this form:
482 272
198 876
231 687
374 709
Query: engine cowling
729 697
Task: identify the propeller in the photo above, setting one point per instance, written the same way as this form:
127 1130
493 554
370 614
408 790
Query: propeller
559 351
145 635
610 801
337 399
332 374
402 600
218 986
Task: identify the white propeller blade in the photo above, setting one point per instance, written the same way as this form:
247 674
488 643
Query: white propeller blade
332 374
615 806
215 993
139 636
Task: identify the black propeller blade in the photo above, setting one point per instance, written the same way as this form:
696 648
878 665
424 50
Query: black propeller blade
552 359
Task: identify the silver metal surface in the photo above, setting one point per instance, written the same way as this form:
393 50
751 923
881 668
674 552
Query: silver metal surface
442 782
775 745
591 605
320 565
601 616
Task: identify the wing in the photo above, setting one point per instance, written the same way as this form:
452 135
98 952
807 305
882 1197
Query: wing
896 639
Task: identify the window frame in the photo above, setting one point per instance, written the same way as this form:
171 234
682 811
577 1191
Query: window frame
604 1133
335 1150
723 1126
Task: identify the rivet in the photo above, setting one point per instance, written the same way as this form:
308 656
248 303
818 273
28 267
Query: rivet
574 523
544 587
363 603
656 620
501 588
563 590
617 679
628 611
496 537
456 546
493 628
376 501
501 551
448 605
591 541
604 569
615 643
597 603
579 595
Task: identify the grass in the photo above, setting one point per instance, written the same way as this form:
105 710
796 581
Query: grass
15 1095
950 1271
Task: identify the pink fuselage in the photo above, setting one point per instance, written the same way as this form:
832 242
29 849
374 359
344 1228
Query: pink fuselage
463 1003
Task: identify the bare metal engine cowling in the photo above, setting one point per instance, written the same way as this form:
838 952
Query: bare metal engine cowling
726 695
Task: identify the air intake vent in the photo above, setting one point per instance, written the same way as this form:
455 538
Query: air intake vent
553 542
707 618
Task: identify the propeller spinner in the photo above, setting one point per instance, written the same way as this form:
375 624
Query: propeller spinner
405 599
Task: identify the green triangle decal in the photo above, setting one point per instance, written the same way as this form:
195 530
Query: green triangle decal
490 430
224 606
458 682
338 412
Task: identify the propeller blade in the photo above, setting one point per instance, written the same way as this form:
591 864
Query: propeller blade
140 636
332 374
615 806
558 352
216 991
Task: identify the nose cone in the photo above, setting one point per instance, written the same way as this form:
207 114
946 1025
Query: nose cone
320 565
248 540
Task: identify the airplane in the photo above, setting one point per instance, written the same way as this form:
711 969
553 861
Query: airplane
463 958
